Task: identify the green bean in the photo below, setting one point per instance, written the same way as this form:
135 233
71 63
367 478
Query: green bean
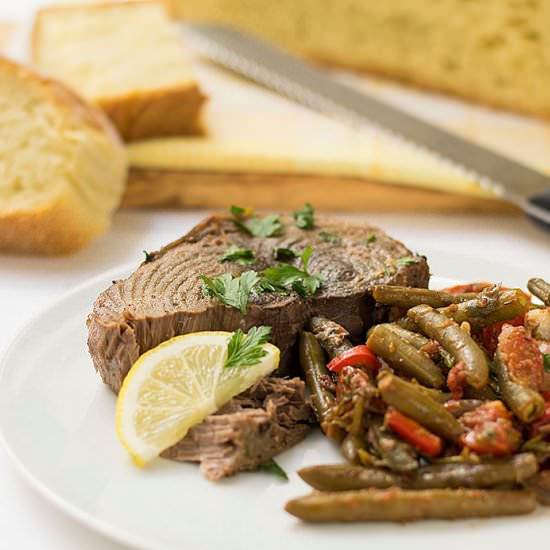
436 395
406 297
542 487
541 289
402 505
516 470
332 336
489 307
396 453
403 357
487 393
455 340
526 403
412 402
312 361
351 445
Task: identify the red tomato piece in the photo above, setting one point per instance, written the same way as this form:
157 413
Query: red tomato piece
494 437
522 356
491 333
414 433
359 356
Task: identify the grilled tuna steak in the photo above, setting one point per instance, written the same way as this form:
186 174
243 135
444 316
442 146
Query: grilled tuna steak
165 297
260 423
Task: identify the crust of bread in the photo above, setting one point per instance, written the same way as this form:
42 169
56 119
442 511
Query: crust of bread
193 189
66 221
163 112
61 227
142 114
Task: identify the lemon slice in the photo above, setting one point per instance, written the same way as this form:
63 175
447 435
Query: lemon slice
176 385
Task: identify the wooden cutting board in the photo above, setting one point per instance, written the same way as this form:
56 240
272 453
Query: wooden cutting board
265 151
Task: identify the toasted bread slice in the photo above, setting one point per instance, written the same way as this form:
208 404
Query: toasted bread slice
62 164
128 59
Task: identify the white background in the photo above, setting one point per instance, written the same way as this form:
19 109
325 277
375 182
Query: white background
470 248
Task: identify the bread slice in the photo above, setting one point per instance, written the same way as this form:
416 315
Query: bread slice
493 51
126 58
62 165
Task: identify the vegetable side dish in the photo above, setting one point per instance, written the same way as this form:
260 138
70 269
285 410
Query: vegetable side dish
444 413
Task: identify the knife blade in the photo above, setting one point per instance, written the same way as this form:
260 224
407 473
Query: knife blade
316 89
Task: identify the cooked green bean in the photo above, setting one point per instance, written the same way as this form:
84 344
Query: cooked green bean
406 297
351 446
412 338
332 336
396 453
455 340
343 477
312 361
489 307
541 289
526 403
436 395
412 402
403 357
402 505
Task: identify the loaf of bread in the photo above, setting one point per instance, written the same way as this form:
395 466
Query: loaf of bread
62 165
126 58
493 51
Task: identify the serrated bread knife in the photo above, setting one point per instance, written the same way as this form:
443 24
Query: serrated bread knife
305 84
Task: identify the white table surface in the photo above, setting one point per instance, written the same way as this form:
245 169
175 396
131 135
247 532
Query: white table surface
499 248
493 248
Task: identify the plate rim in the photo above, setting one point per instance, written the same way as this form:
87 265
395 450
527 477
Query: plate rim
88 520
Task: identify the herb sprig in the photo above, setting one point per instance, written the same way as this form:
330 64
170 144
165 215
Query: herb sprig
271 467
232 291
330 237
285 277
268 226
304 217
247 350
407 260
242 256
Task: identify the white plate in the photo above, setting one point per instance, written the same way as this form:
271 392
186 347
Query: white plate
57 424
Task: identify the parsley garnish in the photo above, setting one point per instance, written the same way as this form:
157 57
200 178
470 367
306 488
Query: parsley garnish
243 256
148 256
286 277
284 254
407 260
271 467
268 226
231 291
304 217
547 362
247 350
371 239
330 238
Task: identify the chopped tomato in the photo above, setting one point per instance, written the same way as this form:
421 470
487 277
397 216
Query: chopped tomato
456 380
359 356
488 411
494 437
491 333
350 379
470 287
522 356
546 395
490 430
411 431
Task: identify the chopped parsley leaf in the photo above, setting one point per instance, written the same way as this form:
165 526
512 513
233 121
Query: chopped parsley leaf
247 350
330 237
304 217
231 291
242 256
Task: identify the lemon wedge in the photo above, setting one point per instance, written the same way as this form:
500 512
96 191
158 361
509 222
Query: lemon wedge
176 385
